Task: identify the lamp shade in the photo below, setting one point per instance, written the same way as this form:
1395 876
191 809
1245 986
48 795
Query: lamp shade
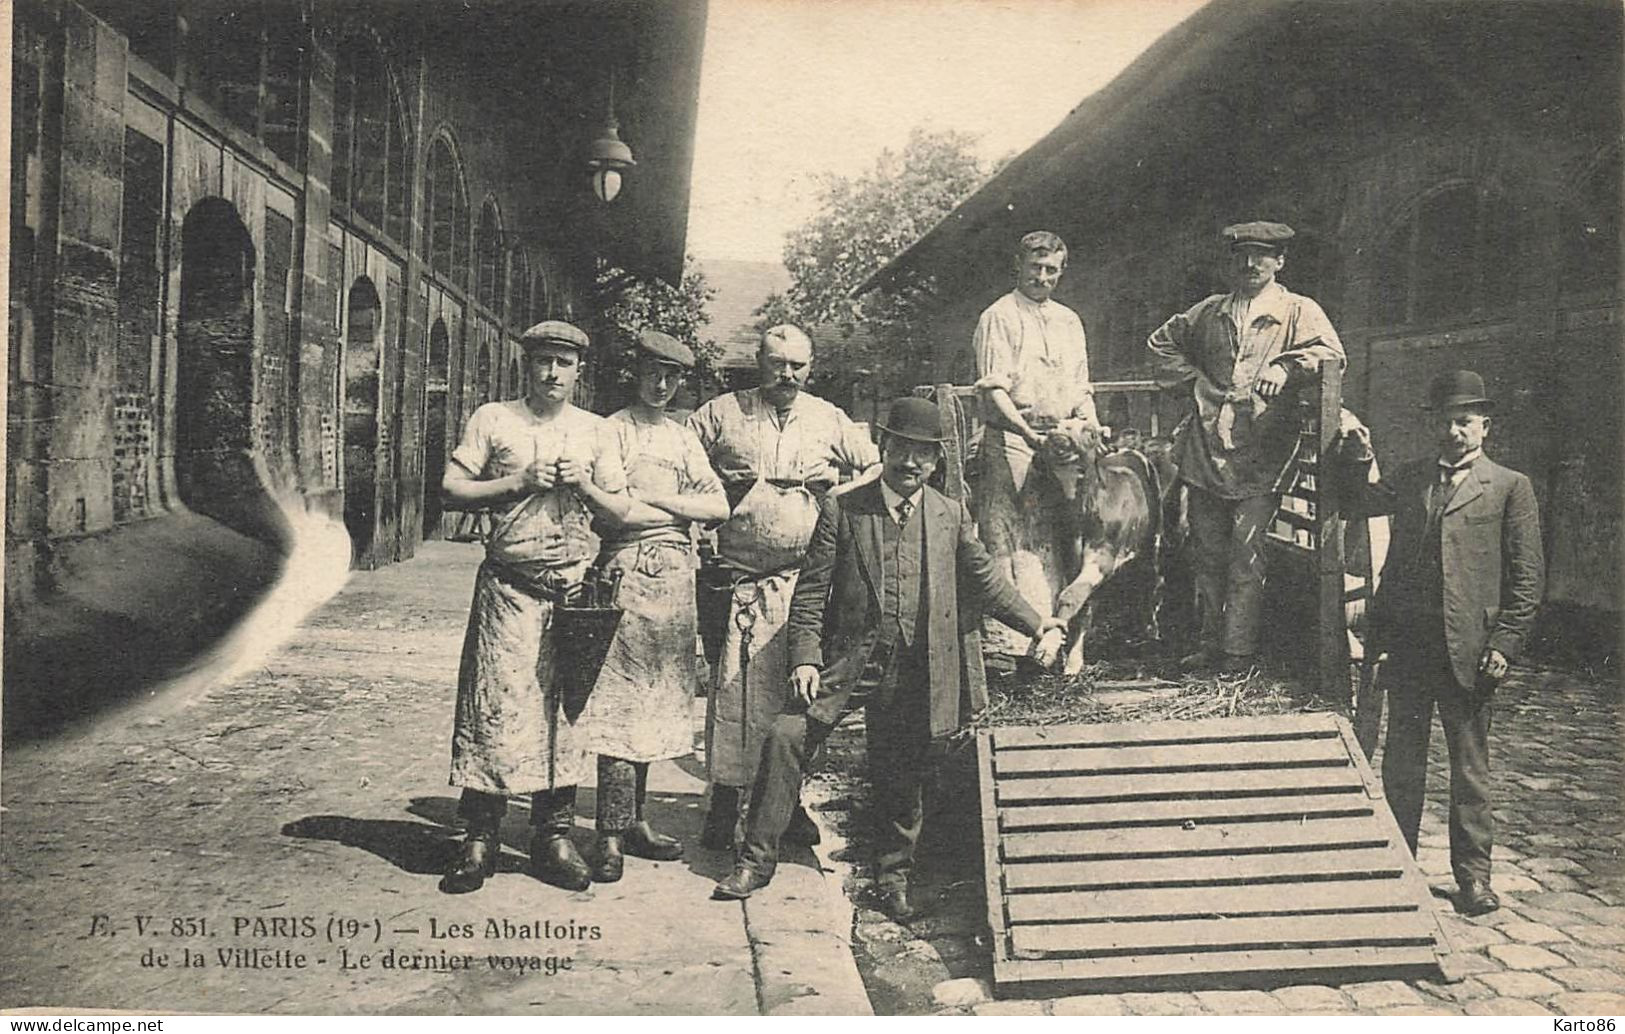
606 183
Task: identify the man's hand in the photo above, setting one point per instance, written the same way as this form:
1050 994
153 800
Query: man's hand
1271 381
1357 443
539 476
573 472
804 683
1046 648
1493 665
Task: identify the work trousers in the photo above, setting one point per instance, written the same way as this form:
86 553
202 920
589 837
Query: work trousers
1418 678
898 742
552 812
1228 538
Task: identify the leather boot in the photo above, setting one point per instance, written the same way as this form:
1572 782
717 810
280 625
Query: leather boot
609 863
721 819
641 841
474 864
555 860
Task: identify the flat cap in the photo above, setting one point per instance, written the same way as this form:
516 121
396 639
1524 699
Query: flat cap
666 348
1268 235
555 332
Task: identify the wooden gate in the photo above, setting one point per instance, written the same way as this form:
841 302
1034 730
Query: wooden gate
1226 852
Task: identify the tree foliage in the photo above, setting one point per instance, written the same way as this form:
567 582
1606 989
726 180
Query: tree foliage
627 304
862 223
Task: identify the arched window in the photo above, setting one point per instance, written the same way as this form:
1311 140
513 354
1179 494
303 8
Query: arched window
519 306
1450 259
370 144
447 218
488 257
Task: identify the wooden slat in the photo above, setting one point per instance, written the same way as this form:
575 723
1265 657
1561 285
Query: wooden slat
990 838
1151 785
1258 899
1029 817
1205 869
1172 757
1241 838
1212 730
1125 969
1086 939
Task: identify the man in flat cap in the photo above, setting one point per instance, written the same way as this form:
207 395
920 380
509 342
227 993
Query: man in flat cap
777 449
878 607
638 710
547 470
1459 596
1032 371
1236 353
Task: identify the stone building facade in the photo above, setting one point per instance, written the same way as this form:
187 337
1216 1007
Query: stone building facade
1453 171
269 255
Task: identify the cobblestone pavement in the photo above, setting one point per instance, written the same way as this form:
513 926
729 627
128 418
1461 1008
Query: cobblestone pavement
1557 946
314 788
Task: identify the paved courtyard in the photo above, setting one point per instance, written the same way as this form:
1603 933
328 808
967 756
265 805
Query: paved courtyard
1557 946
283 830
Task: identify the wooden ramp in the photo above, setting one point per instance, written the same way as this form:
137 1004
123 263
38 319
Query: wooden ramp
1222 853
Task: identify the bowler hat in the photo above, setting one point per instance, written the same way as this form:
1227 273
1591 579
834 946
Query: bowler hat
914 418
666 349
554 332
1458 388
1258 234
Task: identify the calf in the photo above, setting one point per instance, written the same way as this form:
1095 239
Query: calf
1115 513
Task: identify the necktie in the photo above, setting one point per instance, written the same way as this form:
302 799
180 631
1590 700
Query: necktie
904 509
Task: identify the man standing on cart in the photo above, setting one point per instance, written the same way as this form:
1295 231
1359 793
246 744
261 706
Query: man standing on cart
1236 353
547 470
638 711
777 449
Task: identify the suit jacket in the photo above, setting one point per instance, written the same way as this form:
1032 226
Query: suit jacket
1491 563
835 616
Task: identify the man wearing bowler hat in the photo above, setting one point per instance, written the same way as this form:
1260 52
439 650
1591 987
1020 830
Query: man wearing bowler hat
877 612
1461 589
1236 353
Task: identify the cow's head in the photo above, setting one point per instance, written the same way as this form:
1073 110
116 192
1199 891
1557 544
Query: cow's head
1069 453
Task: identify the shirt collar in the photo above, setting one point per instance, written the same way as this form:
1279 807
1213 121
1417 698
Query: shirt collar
892 498
1022 299
1461 464
1271 302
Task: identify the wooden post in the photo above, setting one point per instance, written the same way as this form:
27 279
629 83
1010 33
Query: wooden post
1331 630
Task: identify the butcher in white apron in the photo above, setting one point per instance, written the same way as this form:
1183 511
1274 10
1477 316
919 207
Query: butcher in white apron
548 470
776 449
639 707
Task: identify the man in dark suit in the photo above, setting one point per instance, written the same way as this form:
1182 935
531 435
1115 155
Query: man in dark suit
1461 589
894 580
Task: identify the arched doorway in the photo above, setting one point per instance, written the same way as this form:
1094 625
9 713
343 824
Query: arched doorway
363 318
434 426
214 375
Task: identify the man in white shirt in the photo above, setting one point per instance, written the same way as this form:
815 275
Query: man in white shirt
1032 370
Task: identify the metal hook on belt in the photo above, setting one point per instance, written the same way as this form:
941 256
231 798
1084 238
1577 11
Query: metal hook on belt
744 602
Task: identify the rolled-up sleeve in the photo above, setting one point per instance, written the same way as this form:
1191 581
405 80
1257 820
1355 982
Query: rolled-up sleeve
1171 365
474 450
608 470
995 352
1319 341
853 448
